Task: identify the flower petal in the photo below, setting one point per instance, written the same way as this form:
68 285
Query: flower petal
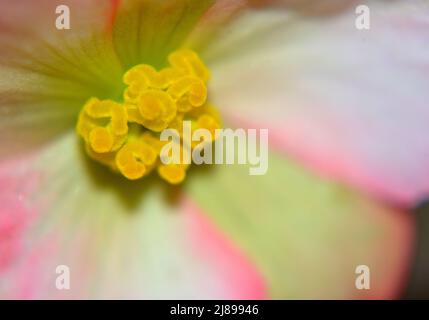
46 74
317 7
307 235
146 31
222 12
351 103
119 239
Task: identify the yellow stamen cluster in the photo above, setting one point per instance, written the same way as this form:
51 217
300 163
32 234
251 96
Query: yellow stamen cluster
125 136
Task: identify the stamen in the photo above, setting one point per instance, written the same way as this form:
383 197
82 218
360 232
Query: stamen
153 109
126 136
100 140
135 159
172 173
103 125
188 92
207 122
190 63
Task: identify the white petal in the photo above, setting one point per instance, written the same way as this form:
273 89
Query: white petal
119 239
351 103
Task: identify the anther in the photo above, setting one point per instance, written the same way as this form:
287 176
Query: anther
126 136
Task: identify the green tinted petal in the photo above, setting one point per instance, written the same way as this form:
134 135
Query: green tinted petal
305 233
146 31
46 74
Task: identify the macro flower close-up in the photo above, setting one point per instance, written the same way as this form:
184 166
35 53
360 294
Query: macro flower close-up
88 89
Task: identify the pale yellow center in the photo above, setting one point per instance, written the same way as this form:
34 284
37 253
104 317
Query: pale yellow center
125 135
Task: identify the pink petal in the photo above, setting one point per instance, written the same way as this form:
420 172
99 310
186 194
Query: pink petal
239 280
118 240
351 104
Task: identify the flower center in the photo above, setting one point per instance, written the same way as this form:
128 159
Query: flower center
125 136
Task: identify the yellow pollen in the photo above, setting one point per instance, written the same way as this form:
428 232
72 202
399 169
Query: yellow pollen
135 159
209 123
101 140
153 109
172 173
103 125
190 63
125 136
188 92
